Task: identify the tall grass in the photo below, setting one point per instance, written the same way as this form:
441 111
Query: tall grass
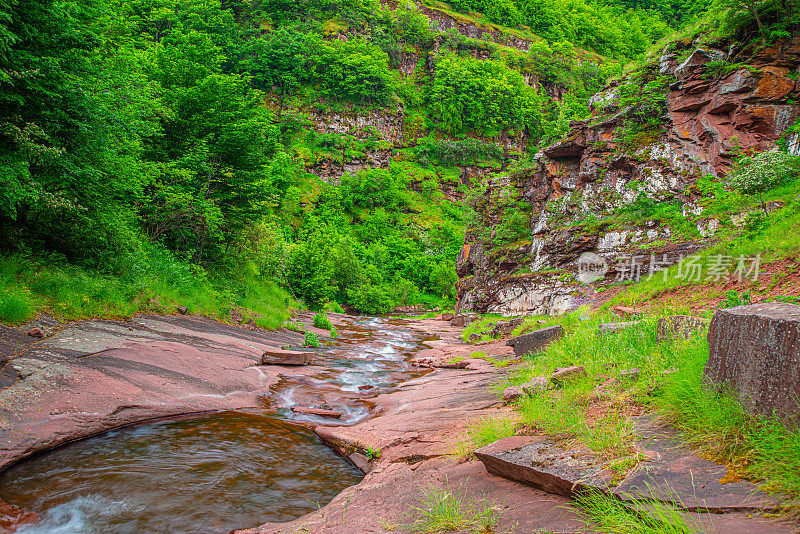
483 432
714 422
651 517
150 280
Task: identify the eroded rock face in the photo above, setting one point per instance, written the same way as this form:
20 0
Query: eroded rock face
591 176
755 351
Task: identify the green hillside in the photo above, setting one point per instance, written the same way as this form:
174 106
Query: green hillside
157 153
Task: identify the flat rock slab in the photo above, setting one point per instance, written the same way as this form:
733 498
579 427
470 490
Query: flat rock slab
535 341
755 351
286 357
96 375
678 475
544 464
674 473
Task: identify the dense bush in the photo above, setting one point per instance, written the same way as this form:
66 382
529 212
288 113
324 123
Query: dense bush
482 96
767 170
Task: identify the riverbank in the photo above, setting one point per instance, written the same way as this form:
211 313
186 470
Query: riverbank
410 394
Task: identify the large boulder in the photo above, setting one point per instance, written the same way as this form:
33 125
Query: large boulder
755 351
463 319
535 341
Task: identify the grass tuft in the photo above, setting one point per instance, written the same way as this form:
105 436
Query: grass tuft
652 517
446 510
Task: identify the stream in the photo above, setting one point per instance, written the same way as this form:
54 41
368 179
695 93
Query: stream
218 472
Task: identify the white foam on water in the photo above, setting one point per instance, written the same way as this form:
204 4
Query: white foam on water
81 515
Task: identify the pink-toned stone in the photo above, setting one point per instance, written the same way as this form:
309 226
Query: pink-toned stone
512 393
286 357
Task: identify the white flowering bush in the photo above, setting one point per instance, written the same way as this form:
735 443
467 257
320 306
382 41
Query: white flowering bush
763 172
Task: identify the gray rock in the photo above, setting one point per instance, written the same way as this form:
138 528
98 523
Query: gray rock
475 337
447 317
567 374
697 61
611 328
535 385
462 319
286 357
505 328
755 351
680 325
544 464
535 341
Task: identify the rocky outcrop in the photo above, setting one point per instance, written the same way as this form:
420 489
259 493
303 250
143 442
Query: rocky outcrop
754 352
718 102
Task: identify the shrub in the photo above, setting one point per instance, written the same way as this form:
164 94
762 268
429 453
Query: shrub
763 172
311 339
375 300
321 321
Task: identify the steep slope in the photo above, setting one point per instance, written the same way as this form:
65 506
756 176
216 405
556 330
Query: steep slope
629 183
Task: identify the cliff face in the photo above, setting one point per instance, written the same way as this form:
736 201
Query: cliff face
714 110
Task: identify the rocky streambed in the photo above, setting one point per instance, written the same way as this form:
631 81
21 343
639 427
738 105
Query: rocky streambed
385 395
252 459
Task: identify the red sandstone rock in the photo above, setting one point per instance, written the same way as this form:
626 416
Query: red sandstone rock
774 84
535 385
544 464
535 341
562 376
754 351
36 332
286 357
512 393
317 411
13 517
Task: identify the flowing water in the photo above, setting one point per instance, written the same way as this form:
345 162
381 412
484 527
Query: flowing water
208 474
219 472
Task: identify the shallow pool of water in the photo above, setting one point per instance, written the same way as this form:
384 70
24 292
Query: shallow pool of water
202 475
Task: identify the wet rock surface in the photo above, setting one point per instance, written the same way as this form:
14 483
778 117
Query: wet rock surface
755 351
156 366
286 357
416 430
92 376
